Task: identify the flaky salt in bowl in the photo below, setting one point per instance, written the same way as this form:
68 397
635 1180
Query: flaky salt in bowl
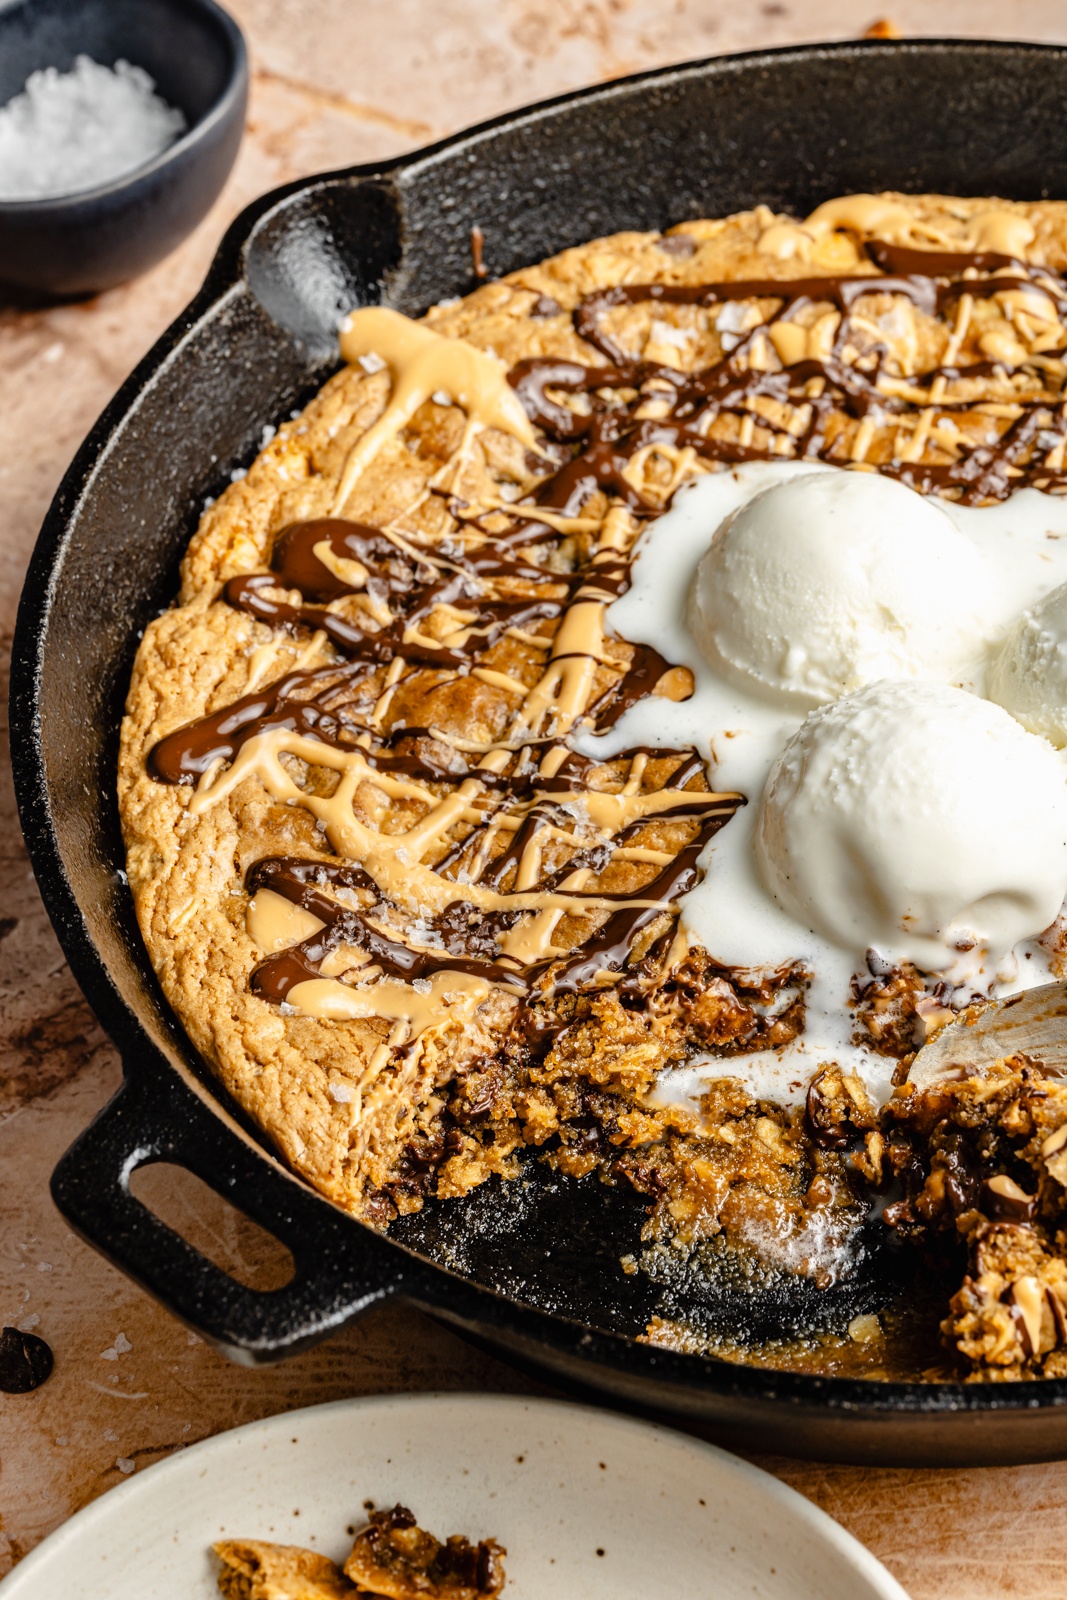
119 123
69 131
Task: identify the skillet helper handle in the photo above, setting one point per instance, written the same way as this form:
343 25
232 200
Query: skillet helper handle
343 1268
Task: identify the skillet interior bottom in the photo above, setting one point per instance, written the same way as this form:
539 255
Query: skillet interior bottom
556 1243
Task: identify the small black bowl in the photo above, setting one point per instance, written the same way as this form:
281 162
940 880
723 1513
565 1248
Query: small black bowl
79 243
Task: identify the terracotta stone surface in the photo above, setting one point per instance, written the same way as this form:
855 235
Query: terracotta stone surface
338 82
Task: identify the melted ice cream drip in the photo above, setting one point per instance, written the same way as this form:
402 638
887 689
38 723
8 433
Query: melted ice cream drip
741 733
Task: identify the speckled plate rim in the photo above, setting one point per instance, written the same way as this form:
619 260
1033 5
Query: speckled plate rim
732 1528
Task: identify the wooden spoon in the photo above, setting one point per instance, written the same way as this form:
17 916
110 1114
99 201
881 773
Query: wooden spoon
1031 1024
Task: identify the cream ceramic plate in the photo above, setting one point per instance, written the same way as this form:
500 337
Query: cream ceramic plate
588 1504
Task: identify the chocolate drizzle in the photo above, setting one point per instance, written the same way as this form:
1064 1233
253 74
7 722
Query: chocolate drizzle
599 467
410 589
326 562
980 475
462 940
646 669
610 946
840 291
302 882
408 605
295 704
609 434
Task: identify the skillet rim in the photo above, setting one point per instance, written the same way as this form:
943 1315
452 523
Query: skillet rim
487 1307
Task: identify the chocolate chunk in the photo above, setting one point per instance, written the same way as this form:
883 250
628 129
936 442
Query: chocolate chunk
838 1109
1004 1201
25 1361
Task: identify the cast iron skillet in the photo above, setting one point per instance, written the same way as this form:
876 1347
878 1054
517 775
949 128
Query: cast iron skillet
531 1267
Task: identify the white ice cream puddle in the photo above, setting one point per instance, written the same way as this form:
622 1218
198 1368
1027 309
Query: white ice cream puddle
730 913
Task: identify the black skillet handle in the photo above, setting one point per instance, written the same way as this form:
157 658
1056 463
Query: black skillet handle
342 1268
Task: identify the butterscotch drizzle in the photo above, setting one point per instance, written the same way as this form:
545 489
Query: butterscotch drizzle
424 363
485 917
420 926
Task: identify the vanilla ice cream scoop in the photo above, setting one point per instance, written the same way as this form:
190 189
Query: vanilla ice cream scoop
1029 674
918 819
834 579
